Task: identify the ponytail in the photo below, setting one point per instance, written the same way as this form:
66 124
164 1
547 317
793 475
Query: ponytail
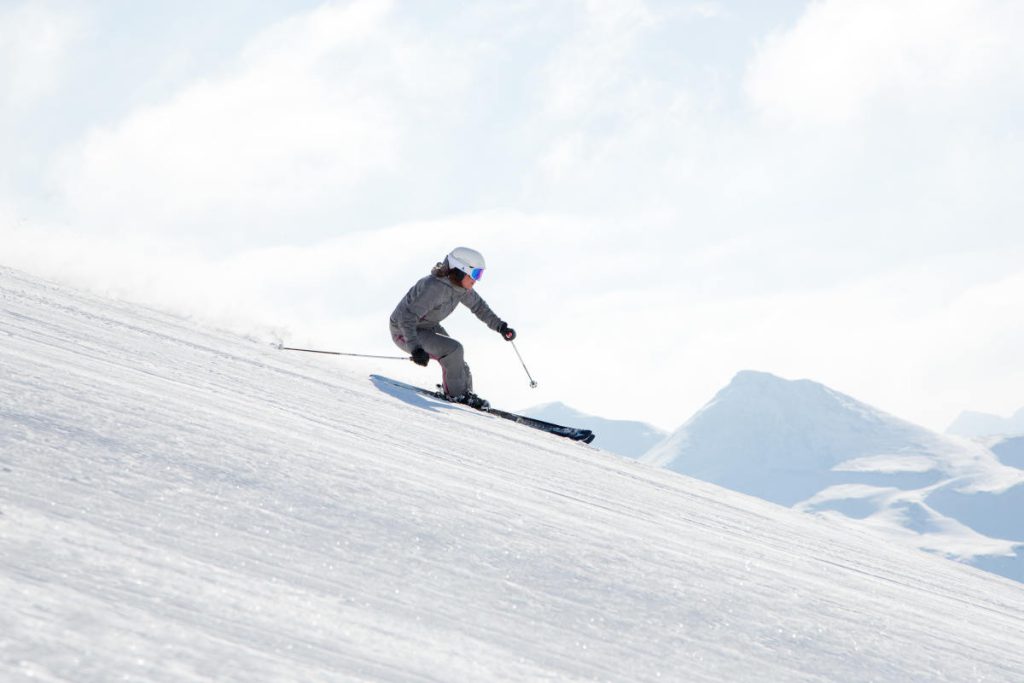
443 271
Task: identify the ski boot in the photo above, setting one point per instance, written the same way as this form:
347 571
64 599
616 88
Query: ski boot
472 400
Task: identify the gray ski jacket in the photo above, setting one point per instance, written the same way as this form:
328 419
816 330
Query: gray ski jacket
430 301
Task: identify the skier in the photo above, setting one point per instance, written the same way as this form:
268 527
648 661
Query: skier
416 321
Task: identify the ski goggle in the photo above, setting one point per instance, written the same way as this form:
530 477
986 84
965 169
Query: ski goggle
475 273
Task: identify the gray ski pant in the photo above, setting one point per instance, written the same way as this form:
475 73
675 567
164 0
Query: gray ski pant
456 379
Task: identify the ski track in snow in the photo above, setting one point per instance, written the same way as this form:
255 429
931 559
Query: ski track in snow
178 503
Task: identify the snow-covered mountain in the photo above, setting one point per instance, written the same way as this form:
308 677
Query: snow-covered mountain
179 503
625 437
973 424
803 445
1009 450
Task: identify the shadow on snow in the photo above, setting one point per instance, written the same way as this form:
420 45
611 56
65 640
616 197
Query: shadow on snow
409 394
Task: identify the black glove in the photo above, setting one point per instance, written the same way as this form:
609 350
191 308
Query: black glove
420 357
507 332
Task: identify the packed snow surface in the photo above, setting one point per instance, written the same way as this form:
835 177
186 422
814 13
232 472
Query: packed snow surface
178 503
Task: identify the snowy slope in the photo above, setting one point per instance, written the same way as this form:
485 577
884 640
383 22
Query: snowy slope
181 504
801 444
625 437
1009 450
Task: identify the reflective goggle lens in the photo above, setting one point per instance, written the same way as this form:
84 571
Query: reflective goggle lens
475 273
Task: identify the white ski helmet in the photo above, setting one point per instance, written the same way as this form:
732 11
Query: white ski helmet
466 260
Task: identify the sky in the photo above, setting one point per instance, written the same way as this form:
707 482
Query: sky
666 193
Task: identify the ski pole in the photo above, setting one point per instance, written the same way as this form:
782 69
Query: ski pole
533 384
339 353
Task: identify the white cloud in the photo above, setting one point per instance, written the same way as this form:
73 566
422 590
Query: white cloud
706 9
589 67
316 107
845 59
260 142
34 48
594 97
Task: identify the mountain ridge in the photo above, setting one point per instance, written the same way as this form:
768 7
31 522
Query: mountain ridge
801 444
975 424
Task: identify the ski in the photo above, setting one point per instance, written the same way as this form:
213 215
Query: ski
572 433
